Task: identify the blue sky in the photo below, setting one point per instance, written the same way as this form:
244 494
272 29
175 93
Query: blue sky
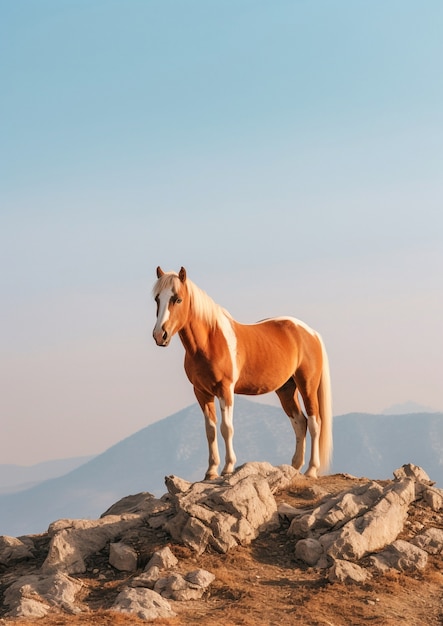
288 153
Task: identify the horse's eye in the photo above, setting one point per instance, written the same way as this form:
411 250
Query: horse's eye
178 300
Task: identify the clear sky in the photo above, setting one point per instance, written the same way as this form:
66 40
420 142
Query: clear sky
289 154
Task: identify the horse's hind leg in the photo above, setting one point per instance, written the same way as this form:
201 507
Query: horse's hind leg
308 390
289 401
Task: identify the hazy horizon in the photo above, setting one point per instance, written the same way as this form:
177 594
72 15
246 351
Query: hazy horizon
406 408
289 155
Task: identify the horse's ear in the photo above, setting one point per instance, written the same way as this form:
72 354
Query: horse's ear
160 272
182 274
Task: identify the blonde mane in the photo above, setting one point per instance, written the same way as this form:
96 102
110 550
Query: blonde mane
202 305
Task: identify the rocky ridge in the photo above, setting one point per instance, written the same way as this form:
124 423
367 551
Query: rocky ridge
350 537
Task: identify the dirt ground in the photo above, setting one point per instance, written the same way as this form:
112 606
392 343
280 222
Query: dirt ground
264 584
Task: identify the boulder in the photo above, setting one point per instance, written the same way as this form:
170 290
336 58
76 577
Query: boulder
346 572
28 607
73 541
377 527
123 557
278 478
433 497
287 511
200 577
430 540
226 512
183 588
147 579
143 603
336 511
175 484
175 586
415 472
309 551
15 549
402 556
139 503
33 595
163 559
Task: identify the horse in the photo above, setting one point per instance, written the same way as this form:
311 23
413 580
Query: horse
224 357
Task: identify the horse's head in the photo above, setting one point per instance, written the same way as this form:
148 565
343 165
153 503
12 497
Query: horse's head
171 295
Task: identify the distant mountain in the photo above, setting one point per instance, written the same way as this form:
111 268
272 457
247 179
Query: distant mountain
404 408
375 445
369 445
19 477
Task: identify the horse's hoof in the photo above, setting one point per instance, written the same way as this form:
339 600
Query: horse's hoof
211 476
311 472
297 467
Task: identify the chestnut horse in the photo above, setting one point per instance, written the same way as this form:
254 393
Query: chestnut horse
223 357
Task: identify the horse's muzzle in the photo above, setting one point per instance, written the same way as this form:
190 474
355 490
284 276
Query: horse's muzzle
161 339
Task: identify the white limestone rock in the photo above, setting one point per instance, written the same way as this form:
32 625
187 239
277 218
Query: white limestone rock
143 603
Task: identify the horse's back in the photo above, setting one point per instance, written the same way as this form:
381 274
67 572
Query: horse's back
269 352
275 334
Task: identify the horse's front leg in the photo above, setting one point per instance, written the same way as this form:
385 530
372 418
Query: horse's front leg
227 431
207 405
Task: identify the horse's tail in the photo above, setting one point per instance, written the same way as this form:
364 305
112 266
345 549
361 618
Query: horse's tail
325 408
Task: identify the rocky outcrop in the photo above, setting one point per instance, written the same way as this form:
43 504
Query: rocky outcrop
228 512
73 541
354 535
221 514
363 521
358 522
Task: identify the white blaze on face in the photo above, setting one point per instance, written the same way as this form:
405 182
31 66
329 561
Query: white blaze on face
164 298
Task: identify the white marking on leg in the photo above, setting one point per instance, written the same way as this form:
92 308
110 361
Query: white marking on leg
314 431
227 409
211 436
227 431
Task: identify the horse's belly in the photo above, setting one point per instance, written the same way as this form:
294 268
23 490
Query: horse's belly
252 390
255 386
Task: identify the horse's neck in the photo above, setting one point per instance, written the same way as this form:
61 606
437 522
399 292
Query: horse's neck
194 336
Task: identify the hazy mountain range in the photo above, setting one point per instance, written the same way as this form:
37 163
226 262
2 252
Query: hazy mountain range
19 477
364 445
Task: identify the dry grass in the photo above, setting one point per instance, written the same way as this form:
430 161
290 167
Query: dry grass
263 584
